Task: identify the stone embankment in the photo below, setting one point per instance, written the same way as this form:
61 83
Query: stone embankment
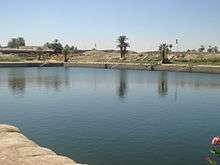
30 64
16 149
149 67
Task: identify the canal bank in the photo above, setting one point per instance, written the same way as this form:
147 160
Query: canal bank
16 149
31 64
149 67
128 66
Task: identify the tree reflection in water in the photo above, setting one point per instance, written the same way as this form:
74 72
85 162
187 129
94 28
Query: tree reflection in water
163 84
17 81
122 88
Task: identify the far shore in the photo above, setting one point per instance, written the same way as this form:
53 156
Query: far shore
111 59
115 65
149 67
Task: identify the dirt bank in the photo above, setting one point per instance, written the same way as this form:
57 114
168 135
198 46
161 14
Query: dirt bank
149 67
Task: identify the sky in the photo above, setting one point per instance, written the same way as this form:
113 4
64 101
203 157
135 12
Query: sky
84 23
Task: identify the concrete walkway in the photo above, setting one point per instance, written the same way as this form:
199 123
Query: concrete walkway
16 149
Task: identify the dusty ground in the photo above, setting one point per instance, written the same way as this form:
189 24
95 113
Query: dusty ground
147 57
112 56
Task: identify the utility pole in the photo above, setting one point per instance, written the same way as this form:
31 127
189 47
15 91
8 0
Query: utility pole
177 46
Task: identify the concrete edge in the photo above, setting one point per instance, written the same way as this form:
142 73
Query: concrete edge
149 67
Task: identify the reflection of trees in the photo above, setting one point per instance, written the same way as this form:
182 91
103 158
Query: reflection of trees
122 89
51 78
17 81
163 84
20 79
66 74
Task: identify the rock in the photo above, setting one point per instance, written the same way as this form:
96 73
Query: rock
16 149
8 128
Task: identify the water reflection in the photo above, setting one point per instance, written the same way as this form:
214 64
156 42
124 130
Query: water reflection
163 84
20 78
122 87
17 81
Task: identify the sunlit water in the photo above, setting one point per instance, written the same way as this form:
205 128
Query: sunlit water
112 117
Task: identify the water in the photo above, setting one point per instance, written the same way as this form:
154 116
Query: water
106 117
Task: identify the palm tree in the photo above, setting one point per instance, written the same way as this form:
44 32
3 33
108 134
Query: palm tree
39 53
164 50
215 49
201 49
66 52
123 45
209 50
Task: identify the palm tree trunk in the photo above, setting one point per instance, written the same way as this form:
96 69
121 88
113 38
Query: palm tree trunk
65 58
39 57
163 56
122 53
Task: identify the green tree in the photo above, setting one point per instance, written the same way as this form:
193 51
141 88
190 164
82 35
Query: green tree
66 52
164 49
123 45
212 49
39 53
209 50
73 49
21 41
16 42
201 49
55 45
215 49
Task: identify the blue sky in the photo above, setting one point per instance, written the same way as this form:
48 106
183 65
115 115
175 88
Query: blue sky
83 23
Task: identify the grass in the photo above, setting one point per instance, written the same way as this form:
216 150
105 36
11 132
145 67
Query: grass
199 61
103 57
11 59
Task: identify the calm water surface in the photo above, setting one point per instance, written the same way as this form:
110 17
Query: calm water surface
106 117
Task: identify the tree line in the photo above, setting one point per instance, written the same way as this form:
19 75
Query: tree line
122 44
210 49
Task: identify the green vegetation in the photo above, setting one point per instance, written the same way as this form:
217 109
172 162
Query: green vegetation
199 61
55 45
164 49
202 56
201 49
123 45
66 52
212 49
12 59
16 42
39 53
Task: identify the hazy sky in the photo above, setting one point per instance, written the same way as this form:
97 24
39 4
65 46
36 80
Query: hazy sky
83 23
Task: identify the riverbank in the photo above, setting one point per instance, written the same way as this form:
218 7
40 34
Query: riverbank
16 149
129 66
31 64
149 67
